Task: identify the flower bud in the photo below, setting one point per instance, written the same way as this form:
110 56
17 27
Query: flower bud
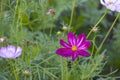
3 39
50 12
26 42
27 72
95 29
6 14
105 56
64 28
59 33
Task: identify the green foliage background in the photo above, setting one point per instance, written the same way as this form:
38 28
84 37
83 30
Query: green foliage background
27 20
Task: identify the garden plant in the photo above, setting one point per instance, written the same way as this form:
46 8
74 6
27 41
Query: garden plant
59 40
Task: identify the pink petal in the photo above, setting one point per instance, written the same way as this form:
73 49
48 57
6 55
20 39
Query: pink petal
11 51
83 53
117 2
72 38
64 52
85 46
111 7
74 56
118 8
102 2
64 44
18 52
3 52
81 40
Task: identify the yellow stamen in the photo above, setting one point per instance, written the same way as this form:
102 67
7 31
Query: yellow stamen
110 2
74 48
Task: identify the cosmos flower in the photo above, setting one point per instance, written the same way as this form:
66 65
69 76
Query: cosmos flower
113 5
75 46
10 52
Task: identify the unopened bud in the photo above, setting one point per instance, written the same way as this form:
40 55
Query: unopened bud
26 42
50 12
6 14
105 56
3 39
27 72
64 28
59 33
95 29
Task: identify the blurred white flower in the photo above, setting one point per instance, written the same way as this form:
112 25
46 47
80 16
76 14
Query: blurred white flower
113 5
10 52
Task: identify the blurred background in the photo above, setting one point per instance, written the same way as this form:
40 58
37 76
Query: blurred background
36 17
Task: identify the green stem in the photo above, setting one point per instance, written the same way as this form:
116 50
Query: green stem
62 73
97 23
93 48
13 69
72 13
66 69
108 33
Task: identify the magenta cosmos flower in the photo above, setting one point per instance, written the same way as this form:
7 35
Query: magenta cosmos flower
10 52
74 47
113 5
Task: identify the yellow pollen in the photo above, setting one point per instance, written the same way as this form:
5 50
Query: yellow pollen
110 2
74 48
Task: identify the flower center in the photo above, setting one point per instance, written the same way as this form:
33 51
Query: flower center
74 48
110 2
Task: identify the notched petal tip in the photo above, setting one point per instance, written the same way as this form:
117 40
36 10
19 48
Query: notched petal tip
71 35
82 36
81 39
72 38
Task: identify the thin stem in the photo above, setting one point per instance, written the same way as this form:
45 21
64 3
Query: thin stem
62 73
13 69
97 23
66 69
108 33
72 13
93 48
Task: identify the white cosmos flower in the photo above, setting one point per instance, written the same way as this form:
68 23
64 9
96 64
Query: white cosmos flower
113 5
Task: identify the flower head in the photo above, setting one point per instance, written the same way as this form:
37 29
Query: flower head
10 52
113 5
74 47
